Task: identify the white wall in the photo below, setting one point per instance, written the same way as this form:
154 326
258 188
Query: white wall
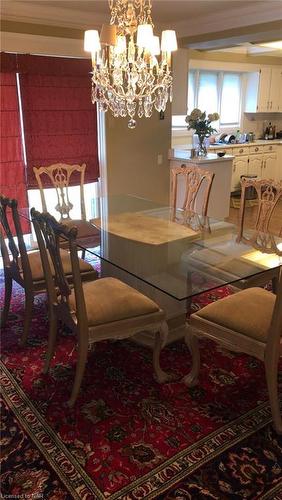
137 160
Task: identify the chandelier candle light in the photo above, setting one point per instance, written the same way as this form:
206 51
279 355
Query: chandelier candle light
127 76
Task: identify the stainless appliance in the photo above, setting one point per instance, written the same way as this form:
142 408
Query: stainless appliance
251 137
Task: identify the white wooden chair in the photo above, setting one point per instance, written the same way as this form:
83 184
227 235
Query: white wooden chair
103 309
195 197
25 267
249 321
262 237
60 175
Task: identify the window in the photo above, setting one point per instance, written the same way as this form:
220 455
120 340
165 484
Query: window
91 194
206 94
216 91
230 99
47 118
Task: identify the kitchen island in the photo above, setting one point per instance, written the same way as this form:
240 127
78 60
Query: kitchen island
219 201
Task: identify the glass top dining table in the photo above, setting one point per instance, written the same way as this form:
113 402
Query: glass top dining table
139 238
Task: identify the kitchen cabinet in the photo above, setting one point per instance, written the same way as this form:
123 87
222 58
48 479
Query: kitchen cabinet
255 165
264 90
261 159
239 167
275 93
269 166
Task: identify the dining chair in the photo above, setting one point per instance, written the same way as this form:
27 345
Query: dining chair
263 237
103 309
195 184
60 175
249 321
25 267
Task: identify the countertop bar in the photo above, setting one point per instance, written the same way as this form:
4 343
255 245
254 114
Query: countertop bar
182 154
259 142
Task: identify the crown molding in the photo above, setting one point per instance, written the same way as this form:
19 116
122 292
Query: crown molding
244 15
42 45
249 13
53 16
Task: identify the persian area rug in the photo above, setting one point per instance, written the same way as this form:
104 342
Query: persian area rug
127 436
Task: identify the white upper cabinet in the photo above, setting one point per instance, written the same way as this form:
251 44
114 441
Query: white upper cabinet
264 91
275 93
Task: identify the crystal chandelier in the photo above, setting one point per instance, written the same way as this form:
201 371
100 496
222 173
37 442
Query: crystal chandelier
127 76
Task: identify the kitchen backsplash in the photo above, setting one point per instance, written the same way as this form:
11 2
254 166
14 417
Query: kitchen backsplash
251 122
256 122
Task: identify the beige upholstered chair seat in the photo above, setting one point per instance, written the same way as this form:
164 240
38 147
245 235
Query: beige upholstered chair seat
84 228
37 270
248 312
250 321
109 299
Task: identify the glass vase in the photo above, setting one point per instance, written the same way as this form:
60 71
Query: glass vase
202 148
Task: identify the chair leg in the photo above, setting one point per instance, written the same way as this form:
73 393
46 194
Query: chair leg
193 343
271 372
160 339
51 339
29 297
80 368
7 299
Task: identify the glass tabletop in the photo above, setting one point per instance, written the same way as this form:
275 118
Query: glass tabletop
138 237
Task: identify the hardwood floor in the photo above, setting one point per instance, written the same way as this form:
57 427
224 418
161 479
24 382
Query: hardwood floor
276 222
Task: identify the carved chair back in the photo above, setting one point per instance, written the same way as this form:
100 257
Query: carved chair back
49 234
195 178
275 331
269 193
197 181
19 261
60 174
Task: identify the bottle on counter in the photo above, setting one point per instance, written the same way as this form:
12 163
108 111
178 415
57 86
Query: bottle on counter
274 131
266 132
237 137
270 132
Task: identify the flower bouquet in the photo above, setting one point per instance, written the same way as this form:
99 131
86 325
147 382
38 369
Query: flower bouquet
199 122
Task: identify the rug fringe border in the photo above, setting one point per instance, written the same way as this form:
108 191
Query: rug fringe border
51 455
262 410
271 494
212 445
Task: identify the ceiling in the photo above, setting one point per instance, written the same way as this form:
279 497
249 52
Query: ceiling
164 11
200 24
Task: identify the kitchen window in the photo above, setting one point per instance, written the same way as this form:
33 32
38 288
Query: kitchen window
214 91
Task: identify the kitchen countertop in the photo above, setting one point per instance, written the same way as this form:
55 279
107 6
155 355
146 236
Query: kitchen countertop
184 154
260 142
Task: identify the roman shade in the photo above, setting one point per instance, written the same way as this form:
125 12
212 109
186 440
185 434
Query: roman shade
12 178
60 122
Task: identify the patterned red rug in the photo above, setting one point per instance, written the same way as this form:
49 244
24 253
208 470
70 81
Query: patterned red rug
129 437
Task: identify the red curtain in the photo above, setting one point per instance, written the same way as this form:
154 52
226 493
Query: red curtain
60 123
13 183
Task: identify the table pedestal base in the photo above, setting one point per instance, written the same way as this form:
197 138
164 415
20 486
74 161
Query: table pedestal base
175 310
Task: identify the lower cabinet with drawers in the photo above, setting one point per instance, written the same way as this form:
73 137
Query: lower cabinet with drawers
262 161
